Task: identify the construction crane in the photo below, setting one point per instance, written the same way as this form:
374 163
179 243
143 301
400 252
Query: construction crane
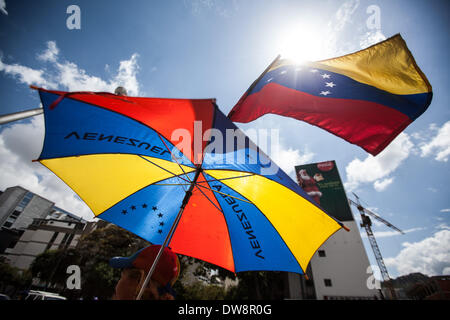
367 224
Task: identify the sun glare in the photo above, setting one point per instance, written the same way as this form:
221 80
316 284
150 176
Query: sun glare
301 43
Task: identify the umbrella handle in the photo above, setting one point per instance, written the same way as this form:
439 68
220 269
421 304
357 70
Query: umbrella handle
169 234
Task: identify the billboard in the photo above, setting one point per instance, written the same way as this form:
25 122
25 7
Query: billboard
321 181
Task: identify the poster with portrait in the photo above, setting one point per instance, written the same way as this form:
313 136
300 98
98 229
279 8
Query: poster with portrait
321 181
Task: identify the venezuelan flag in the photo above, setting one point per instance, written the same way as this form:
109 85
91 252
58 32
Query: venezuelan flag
367 97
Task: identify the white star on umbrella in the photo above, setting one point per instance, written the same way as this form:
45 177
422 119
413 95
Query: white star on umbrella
330 84
325 93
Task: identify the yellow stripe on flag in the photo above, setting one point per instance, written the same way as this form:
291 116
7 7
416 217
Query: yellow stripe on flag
302 225
387 65
102 180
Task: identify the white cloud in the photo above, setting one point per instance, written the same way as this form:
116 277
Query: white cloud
370 38
390 233
431 256
344 34
66 75
348 30
374 169
445 210
3 7
344 14
423 136
51 53
22 141
76 79
126 75
72 77
439 146
26 75
443 226
276 149
288 158
381 185
19 145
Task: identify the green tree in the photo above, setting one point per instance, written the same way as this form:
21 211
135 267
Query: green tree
51 266
92 255
258 285
95 251
200 291
12 277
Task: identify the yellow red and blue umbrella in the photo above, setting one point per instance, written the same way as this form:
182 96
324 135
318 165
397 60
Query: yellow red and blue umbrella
121 156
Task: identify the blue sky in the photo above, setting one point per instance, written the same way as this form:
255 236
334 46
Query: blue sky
217 48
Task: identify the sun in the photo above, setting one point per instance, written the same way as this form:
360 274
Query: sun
302 43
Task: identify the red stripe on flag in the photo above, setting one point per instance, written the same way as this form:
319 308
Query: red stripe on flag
367 124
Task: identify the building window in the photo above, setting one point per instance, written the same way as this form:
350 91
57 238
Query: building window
64 241
321 253
25 200
72 235
15 214
11 219
7 224
327 282
49 245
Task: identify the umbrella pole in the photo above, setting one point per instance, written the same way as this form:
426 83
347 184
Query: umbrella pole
20 115
169 234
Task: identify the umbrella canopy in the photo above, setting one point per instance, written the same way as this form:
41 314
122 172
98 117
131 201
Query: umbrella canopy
132 160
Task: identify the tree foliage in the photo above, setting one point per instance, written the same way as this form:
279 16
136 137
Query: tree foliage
200 291
50 266
11 276
95 250
258 285
92 255
98 279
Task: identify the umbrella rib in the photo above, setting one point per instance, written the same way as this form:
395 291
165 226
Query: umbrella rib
249 175
223 179
209 199
175 175
228 195
171 184
173 157
197 185
277 182
275 229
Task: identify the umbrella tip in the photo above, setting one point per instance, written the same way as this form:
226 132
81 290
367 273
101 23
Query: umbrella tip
120 91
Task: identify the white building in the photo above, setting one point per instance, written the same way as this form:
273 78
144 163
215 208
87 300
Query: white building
18 208
340 269
32 224
57 231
